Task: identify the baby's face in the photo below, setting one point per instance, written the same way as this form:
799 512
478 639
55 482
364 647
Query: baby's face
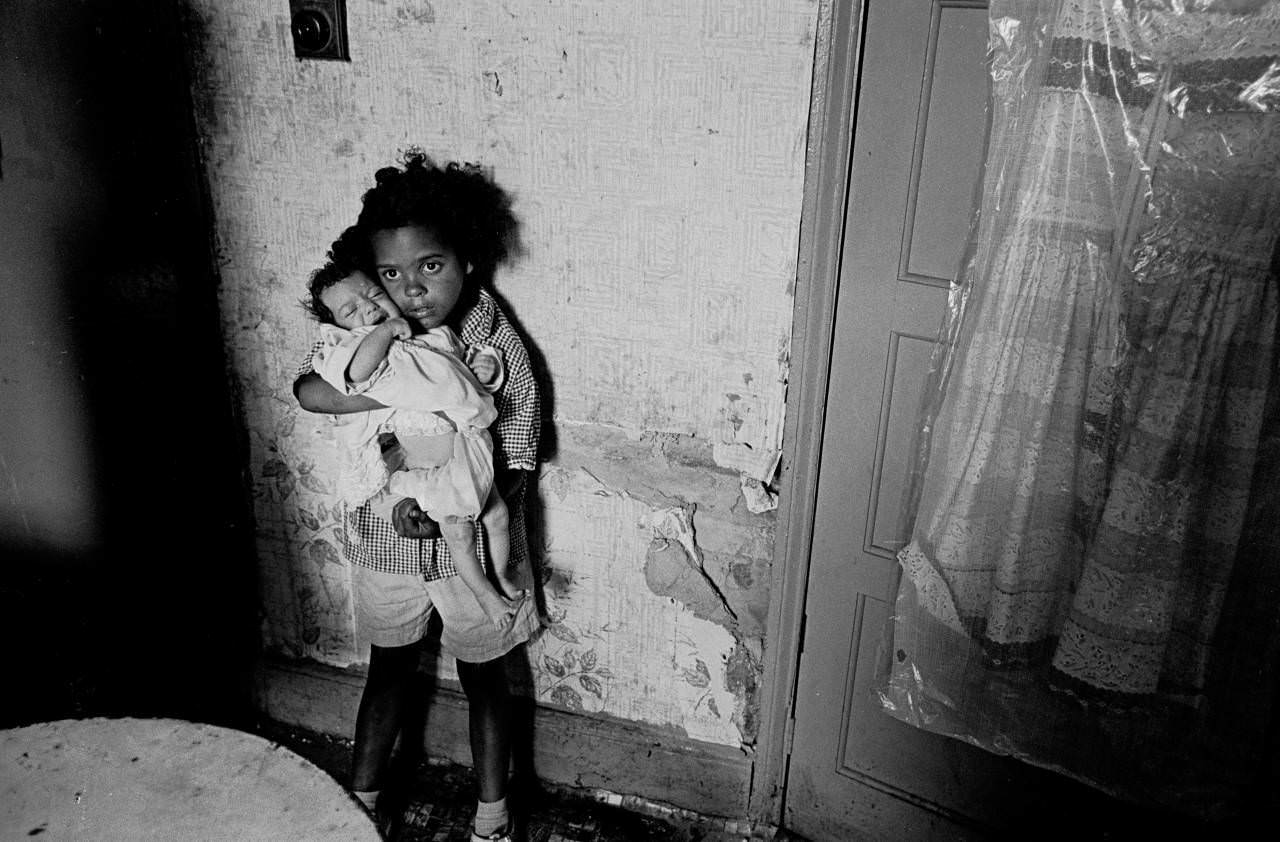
356 301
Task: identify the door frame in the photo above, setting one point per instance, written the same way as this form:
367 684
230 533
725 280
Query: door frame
833 108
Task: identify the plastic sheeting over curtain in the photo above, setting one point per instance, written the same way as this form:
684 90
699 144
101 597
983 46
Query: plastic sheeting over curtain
1091 573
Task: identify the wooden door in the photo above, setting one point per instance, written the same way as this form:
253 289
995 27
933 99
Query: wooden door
918 143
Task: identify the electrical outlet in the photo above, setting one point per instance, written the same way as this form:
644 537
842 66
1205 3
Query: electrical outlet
319 29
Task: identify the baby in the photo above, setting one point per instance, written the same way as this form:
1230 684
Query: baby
440 411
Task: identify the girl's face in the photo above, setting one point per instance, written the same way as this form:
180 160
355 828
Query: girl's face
421 273
356 301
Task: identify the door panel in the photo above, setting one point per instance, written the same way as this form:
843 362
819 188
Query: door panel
855 772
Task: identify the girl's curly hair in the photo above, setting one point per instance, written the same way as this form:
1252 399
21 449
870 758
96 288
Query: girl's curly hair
459 202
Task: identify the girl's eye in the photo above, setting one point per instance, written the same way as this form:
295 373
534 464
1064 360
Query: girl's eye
390 274
432 266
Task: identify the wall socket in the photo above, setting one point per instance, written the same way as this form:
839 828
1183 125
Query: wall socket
319 29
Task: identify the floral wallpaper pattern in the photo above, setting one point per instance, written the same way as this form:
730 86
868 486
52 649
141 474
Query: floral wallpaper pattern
656 155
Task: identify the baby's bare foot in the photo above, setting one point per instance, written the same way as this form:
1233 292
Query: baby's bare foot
510 589
500 611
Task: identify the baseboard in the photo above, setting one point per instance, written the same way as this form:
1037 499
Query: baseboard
568 749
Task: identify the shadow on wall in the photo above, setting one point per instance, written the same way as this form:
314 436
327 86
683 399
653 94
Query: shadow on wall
159 616
535 521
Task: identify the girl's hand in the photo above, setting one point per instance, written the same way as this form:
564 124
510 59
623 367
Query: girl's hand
410 521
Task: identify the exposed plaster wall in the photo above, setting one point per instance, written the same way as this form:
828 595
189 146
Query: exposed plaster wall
656 153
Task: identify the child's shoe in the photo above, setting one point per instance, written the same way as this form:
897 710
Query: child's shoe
382 810
503 835
388 823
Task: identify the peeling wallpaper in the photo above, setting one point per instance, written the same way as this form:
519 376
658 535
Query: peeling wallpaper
656 155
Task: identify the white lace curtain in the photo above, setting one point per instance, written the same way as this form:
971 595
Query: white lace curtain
1092 555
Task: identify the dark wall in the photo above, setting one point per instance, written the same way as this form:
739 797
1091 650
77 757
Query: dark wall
129 577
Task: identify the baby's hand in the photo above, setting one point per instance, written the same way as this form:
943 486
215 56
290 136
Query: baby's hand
398 326
485 368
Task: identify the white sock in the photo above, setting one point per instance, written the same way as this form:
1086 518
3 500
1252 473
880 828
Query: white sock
491 816
368 797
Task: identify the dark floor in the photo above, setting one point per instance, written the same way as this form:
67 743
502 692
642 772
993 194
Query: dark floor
73 669
437 804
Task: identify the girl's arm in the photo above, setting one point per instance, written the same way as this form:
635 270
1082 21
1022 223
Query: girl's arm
315 395
373 348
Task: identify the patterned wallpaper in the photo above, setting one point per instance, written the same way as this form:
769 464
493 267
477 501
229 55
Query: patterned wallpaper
656 154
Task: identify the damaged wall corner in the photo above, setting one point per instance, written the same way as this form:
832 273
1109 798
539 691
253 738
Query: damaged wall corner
673 567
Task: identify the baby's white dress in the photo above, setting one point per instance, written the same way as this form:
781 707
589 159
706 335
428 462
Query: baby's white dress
429 391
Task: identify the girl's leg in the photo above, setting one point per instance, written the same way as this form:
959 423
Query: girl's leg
381 713
497 529
489 717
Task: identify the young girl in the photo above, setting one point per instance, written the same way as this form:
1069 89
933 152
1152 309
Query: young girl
433 235
439 411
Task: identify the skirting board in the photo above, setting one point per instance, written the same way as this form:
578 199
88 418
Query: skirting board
567 749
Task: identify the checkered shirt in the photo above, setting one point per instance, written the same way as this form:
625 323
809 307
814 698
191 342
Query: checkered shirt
372 542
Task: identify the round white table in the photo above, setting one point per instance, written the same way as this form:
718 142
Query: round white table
166 779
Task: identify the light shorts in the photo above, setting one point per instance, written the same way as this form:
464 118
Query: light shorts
393 609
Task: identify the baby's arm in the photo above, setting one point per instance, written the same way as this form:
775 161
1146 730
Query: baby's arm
373 348
315 394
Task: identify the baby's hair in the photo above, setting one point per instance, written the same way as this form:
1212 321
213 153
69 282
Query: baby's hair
328 275
348 254
459 202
